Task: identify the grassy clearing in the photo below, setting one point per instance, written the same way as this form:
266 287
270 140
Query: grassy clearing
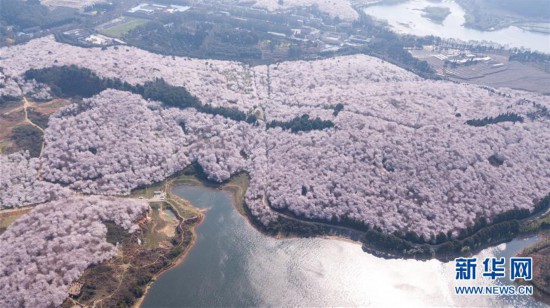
119 31
148 192
162 226
47 108
155 237
7 217
539 223
12 115
238 186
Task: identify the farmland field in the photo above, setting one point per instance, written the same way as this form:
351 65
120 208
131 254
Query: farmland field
120 27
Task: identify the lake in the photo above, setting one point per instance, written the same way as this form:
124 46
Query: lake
407 18
232 264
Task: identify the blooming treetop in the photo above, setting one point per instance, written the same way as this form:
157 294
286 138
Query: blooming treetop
400 156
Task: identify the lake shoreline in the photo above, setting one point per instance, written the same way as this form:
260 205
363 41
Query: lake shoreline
406 18
179 260
232 191
378 243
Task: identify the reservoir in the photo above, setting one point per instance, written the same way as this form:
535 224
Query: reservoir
233 264
407 18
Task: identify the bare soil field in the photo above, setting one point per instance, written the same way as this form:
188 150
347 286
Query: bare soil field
517 76
498 72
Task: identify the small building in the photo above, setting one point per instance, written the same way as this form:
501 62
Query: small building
332 38
277 34
160 195
75 289
177 8
441 57
358 39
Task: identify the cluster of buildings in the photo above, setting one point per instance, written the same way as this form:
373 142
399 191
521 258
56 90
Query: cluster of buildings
461 58
305 28
88 37
462 64
148 9
298 24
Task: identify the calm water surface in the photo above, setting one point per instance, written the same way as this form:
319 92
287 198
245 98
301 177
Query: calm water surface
407 18
232 264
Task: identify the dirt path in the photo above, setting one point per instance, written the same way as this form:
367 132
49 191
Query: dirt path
15 210
121 280
25 108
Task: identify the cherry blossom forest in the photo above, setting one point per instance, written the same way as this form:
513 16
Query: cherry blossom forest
400 155
45 250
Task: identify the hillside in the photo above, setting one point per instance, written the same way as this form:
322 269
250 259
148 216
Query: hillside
397 157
